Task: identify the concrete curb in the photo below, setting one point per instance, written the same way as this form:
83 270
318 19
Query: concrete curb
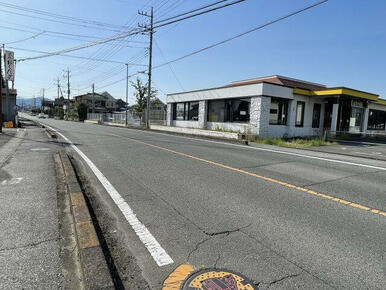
95 270
50 134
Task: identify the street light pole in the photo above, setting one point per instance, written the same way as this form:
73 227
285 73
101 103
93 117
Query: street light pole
127 89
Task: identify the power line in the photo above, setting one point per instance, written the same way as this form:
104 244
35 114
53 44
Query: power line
58 21
227 40
124 34
170 66
244 33
46 13
25 39
76 56
87 45
197 14
57 33
191 11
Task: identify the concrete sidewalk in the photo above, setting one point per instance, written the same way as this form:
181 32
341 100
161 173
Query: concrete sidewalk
376 151
29 225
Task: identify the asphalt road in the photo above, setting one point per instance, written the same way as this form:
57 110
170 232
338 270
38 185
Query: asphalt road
213 204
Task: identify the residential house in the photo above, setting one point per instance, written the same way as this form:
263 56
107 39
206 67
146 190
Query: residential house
99 103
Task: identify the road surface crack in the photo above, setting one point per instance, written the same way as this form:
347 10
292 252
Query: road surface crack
196 247
282 279
226 233
31 245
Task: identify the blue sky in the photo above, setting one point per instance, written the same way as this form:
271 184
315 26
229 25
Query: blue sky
340 43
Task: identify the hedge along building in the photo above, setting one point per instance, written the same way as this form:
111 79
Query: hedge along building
277 106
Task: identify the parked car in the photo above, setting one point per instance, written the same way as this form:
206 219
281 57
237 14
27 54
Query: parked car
41 116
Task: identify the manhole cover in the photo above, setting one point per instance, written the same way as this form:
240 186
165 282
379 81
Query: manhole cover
218 279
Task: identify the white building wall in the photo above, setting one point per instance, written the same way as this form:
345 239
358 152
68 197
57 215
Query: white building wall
186 124
169 114
202 113
259 114
232 127
290 130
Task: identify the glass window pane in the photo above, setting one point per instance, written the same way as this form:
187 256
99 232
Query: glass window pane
180 109
299 114
274 112
278 111
216 111
239 110
193 111
377 120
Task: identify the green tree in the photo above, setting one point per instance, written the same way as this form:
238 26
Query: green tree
140 95
59 112
81 108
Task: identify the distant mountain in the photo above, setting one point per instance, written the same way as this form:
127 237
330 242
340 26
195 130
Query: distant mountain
29 102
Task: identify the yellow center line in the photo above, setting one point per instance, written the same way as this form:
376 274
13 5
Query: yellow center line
306 190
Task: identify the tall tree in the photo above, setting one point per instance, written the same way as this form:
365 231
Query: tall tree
140 95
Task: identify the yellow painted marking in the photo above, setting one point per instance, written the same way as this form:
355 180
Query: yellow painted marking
87 237
177 277
325 196
360 206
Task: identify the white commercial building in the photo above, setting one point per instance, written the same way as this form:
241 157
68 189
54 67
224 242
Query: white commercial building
278 106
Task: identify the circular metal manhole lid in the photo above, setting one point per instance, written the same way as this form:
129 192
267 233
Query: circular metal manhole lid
216 279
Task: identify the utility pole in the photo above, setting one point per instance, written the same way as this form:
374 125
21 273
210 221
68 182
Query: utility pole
93 99
68 83
127 90
58 87
6 90
151 31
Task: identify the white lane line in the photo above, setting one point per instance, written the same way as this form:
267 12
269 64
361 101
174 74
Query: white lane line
280 152
157 252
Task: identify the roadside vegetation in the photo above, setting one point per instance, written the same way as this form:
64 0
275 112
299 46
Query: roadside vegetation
294 143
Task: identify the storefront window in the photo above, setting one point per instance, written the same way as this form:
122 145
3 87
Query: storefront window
185 111
231 110
180 111
377 120
299 121
278 111
216 111
193 111
316 115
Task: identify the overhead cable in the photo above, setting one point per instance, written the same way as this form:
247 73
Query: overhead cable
77 56
244 33
191 11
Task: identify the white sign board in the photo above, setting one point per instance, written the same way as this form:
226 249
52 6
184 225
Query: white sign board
9 66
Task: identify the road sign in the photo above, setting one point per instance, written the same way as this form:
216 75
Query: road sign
9 66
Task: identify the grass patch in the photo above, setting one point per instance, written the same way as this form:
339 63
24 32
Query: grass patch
294 143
